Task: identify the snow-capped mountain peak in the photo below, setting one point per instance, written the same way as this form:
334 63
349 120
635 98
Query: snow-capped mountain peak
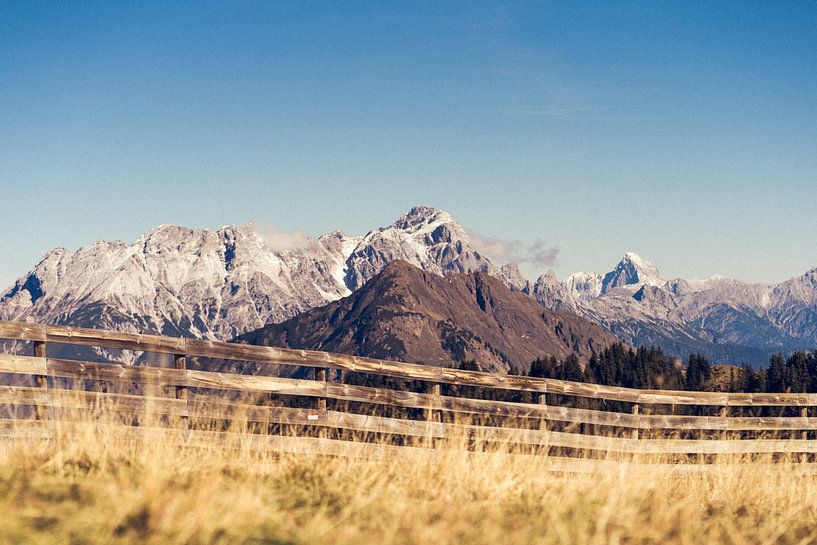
424 218
426 237
584 285
631 270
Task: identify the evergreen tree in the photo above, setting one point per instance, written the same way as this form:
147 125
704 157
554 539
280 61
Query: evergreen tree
762 384
699 372
546 367
746 378
776 375
797 372
619 365
571 369
812 371
733 380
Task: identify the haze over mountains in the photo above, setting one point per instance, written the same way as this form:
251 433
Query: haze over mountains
220 284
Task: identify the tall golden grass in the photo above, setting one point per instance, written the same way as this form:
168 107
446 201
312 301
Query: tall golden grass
97 481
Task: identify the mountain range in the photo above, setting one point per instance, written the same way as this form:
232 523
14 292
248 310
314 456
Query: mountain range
408 314
220 284
726 319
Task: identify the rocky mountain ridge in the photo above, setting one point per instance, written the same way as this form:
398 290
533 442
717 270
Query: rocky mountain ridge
219 284
729 320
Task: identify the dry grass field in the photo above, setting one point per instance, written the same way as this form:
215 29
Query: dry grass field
94 484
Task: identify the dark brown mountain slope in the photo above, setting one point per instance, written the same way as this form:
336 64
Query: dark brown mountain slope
410 315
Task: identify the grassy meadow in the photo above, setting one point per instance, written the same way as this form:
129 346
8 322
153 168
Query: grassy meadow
93 484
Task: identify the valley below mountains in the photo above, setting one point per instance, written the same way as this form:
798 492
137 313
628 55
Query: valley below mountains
222 284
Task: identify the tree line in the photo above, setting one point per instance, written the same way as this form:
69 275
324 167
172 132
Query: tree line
650 368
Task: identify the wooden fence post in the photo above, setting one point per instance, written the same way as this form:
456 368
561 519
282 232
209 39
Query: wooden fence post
804 434
431 414
322 375
724 413
804 414
543 422
635 413
180 362
41 381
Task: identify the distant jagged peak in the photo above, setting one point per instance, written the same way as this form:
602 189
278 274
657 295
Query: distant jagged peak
642 265
632 257
510 268
800 289
277 243
340 241
631 270
579 277
809 276
336 234
549 278
422 224
511 276
249 228
55 254
422 217
171 234
425 237
584 285
164 231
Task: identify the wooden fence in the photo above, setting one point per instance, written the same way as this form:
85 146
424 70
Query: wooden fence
340 398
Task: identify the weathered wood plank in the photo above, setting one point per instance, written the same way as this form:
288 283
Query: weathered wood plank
382 396
23 331
248 383
23 365
209 407
116 372
114 402
640 446
114 339
22 395
237 351
199 438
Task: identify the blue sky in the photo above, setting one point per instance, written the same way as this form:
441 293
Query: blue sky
685 131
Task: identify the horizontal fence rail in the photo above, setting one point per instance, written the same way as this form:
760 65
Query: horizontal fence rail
205 385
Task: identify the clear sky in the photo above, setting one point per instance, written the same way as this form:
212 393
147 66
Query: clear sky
685 131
